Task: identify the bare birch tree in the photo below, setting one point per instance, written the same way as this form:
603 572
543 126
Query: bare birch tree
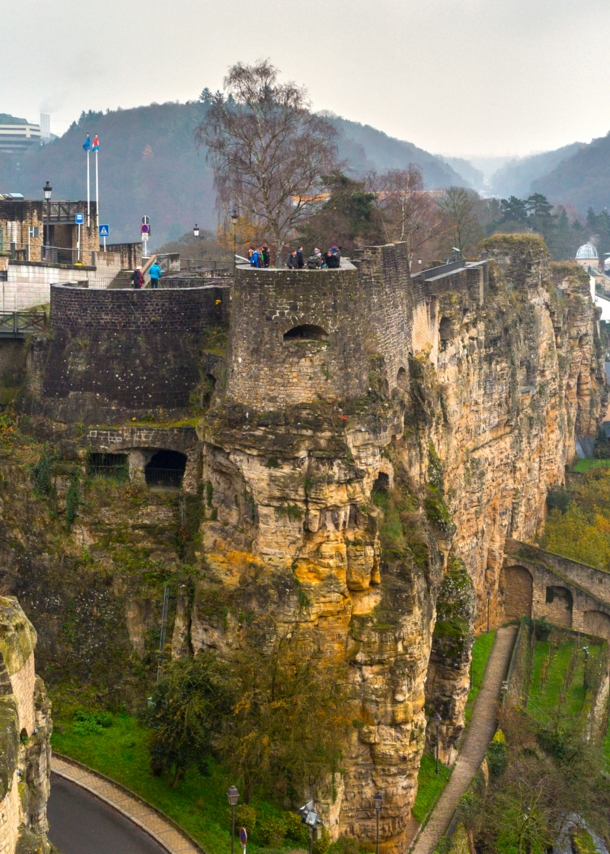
407 212
267 150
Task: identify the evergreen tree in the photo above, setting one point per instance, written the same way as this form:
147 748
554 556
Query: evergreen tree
206 96
513 210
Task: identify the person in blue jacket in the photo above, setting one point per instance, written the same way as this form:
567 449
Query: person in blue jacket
155 274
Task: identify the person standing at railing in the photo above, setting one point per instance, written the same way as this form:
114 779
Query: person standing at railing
155 274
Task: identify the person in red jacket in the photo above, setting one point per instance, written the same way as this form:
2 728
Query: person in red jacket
137 278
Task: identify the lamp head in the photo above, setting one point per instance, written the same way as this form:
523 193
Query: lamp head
196 230
233 796
437 719
234 216
47 189
378 801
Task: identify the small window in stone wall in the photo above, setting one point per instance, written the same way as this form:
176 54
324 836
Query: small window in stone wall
306 332
166 469
115 466
402 379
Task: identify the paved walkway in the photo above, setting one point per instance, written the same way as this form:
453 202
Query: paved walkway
142 814
479 734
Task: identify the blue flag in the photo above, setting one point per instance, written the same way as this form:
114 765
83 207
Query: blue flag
87 143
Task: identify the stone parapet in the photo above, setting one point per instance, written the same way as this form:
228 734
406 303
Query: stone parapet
158 310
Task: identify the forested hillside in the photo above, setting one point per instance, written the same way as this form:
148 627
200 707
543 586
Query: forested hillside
149 165
516 177
583 180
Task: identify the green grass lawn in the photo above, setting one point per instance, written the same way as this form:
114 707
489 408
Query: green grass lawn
590 463
481 651
429 786
120 751
551 665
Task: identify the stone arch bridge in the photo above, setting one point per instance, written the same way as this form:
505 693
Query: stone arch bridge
543 585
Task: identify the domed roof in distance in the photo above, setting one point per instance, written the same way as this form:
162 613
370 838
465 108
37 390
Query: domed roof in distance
586 252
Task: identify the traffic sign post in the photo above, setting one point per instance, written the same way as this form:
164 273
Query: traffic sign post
243 838
145 229
104 233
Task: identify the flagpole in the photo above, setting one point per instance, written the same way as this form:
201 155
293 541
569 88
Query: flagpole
88 194
97 193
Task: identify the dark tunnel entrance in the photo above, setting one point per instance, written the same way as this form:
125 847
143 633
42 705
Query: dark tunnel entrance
166 468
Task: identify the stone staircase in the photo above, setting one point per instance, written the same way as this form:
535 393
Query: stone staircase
123 277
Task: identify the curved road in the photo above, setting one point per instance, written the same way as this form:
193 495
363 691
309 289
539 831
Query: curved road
82 824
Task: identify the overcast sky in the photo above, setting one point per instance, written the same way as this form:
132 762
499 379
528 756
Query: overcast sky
459 77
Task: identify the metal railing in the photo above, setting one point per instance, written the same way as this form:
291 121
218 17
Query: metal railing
111 466
35 251
17 324
164 477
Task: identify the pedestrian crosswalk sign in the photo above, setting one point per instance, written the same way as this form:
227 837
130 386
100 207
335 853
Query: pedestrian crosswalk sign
104 230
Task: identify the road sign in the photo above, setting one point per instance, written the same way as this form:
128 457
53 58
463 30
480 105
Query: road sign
145 220
243 836
145 228
79 218
104 230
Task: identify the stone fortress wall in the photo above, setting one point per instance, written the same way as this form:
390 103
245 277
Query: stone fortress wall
365 317
116 354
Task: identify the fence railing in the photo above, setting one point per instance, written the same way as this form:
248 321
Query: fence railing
112 466
16 324
35 251
164 477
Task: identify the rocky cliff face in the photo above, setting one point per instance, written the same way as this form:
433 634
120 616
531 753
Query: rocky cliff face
344 517
25 732
370 513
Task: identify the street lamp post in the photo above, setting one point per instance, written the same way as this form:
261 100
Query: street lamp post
234 218
437 722
233 797
311 818
378 801
47 190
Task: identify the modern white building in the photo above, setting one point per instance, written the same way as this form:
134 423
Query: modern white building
17 135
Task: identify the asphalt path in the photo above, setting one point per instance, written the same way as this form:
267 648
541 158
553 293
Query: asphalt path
82 824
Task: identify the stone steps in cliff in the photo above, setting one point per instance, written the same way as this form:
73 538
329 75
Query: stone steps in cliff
480 732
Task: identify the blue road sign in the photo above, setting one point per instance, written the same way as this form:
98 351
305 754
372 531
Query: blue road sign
79 218
104 230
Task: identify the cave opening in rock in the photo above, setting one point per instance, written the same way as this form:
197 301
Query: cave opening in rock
166 468
402 379
382 482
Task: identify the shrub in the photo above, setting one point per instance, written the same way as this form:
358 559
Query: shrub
296 831
558 499
72 501
245 816
322 844
497 754
271 830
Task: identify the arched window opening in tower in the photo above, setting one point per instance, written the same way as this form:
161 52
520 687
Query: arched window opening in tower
166 469
306 332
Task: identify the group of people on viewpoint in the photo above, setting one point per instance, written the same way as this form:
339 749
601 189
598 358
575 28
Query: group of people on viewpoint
261 257
154 272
